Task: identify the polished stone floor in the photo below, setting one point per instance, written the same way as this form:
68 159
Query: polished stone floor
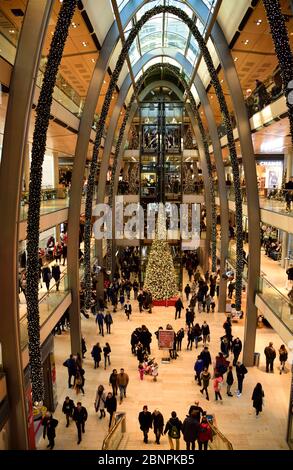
175 389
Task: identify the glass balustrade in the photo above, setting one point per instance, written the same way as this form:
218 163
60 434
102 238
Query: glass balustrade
274 200
48 303
52 200
277 302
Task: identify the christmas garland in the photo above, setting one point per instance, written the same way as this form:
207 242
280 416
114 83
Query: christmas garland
179 76
33 221
229 131
281 41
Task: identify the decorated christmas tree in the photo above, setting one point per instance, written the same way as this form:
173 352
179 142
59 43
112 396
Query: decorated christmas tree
160 277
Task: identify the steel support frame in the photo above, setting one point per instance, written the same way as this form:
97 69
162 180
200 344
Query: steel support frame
17 123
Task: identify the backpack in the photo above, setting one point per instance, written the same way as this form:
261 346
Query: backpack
174 433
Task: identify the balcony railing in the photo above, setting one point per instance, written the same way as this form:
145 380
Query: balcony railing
277 302
48 303
274 200
115 435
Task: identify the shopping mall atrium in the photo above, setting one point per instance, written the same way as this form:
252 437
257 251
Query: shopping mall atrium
146 195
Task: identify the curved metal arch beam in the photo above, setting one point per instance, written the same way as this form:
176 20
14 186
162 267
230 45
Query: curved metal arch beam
182 61
219 40
224 207
201 153
17 117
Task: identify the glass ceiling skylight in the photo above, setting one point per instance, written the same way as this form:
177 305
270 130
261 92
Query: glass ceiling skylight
165 31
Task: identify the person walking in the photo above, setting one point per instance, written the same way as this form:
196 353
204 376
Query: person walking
240 372
113 381
178 308
229 381
100 401
190 429
71 366
83 347
111 406
173 428
198 368
236 349
283 356
179 338
190 338
187 291
122 382
96 355
218 380
146 422
158 424
56 274
108 322
257 398
205 333
68 409
205 377
100 321
106 351
270 354
79 382
204 434
128 309
49 429
206 357
140 299
80 416
197 334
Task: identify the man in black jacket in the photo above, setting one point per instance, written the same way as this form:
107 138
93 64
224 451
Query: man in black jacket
145 420
50 425
240 372
190 429
80 417
128 309
158 422
178 307
71 366
270 354
67 409
236 349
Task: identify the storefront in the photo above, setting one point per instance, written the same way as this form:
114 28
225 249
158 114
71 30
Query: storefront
269 173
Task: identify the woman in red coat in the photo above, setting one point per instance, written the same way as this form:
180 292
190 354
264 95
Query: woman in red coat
205 434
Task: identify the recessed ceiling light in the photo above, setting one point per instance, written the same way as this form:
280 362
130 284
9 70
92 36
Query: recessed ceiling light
105 82
74 25
84 43
222 81
246 42
12 31
236 58
93 61
259 22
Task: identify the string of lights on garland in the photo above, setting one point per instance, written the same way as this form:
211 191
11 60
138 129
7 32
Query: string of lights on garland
281 41
33 221
140 82
229 132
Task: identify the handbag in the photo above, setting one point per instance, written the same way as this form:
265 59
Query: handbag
199 339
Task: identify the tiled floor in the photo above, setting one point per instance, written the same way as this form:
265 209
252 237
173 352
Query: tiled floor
175 388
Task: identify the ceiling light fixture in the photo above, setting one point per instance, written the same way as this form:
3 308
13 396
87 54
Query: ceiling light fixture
236 58
74 25
12 31
259 22
246 42
84 43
